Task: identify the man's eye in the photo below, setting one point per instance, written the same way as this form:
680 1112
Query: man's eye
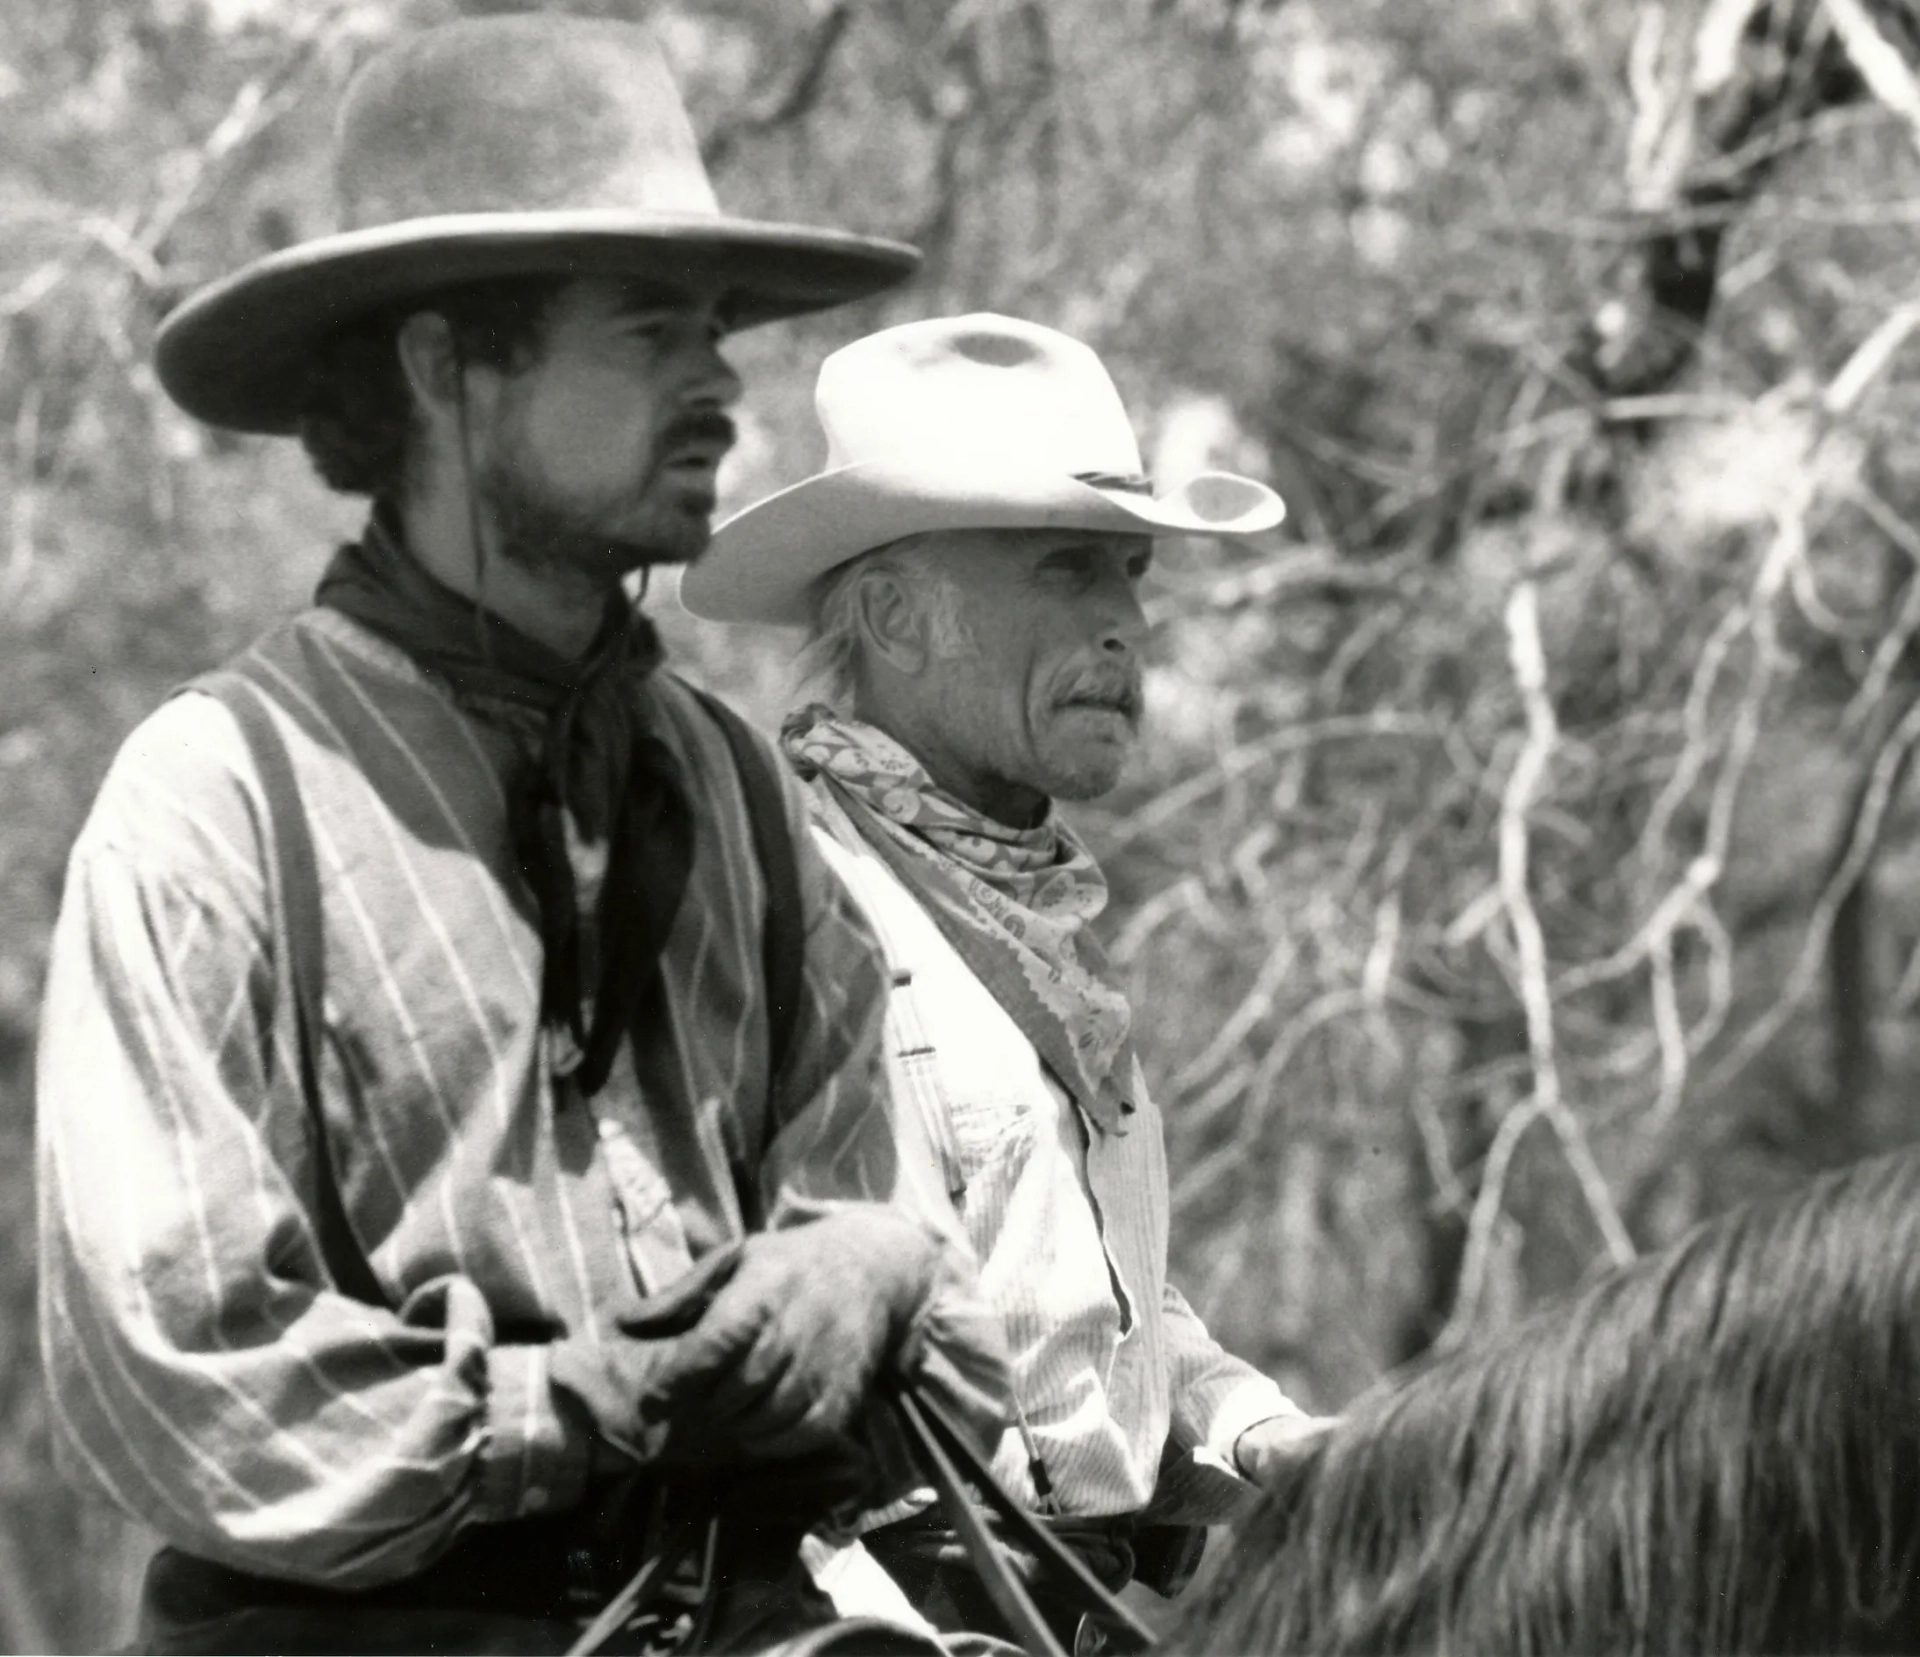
1075 572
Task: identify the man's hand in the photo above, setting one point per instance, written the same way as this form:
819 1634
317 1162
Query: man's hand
782 1360
1268 1448
763 1359
606 1380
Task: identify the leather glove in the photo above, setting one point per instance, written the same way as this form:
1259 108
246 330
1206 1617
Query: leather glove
608 1380
782 1361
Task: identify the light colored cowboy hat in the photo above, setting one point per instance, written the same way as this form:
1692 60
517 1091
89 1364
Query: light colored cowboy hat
971 422
522 145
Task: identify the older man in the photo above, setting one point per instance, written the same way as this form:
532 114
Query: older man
466 1172
969 563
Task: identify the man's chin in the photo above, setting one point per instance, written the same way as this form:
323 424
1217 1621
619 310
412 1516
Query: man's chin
1088 776
669 543
651 555
607 552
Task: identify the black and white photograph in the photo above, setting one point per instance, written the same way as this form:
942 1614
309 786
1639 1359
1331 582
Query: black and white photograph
972 827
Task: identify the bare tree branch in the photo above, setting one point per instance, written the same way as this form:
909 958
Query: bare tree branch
1887 772
1547 1099
1158 812
794 100
1888 75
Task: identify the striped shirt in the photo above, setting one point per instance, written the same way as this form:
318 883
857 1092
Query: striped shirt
205 1374
1069 1224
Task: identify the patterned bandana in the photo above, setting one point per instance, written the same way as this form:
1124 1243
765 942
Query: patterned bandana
1014 903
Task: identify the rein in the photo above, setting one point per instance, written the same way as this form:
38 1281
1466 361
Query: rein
952 1465
947 1453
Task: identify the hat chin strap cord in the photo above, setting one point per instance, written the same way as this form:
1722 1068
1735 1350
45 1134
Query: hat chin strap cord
470 495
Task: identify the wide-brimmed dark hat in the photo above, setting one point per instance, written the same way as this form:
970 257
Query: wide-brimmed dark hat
507 146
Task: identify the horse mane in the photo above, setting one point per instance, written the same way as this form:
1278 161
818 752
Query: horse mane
1715 1449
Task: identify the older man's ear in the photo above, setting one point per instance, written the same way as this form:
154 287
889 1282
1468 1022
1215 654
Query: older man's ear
893 623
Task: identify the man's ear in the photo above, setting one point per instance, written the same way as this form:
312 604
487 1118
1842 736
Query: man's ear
892 623
431 366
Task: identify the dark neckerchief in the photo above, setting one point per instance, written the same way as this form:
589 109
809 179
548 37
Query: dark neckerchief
590 758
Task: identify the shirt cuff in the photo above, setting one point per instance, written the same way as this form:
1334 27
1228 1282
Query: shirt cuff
1251 1402
534 1460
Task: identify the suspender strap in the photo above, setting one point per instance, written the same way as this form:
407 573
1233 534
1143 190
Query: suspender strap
298 883
291 842
784 942
916 1062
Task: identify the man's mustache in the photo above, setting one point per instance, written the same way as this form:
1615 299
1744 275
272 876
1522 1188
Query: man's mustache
1118 687
705 427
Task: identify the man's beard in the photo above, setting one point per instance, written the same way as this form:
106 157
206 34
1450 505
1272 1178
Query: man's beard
547 536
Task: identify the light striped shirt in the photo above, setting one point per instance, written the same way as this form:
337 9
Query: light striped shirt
205 1375
1069 1225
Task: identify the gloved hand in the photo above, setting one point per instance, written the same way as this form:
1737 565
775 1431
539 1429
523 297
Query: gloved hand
782 1361
607 1380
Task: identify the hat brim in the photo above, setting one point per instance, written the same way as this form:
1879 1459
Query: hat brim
762 563
235 354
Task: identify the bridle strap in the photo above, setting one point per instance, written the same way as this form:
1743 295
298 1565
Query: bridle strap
1004 1587
948 1454
675 1545
952 1463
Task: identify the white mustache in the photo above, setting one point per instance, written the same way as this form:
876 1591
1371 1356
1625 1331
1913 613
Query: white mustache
1119 689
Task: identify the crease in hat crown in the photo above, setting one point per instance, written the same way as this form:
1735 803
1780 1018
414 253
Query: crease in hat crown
971 390
520 145
971 422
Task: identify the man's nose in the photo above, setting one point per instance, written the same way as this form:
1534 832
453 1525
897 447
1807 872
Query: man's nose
1123 627
715 382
